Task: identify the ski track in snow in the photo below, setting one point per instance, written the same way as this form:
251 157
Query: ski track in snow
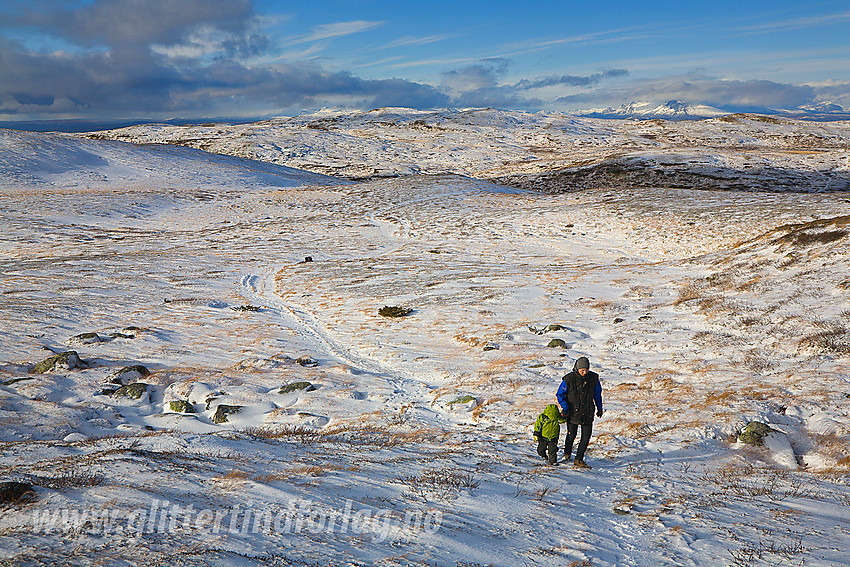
261 288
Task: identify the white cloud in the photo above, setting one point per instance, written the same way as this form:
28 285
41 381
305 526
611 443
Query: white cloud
410 40
797 23
331 31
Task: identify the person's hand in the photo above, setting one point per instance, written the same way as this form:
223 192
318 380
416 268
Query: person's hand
599 413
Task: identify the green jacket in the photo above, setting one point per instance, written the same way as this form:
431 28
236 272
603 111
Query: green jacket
549 422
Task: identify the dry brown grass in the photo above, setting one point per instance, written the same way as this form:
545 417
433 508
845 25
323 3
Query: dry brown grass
604 306
750 284
480 408
834 340
71 479
834 447
232 480
687 292
715 398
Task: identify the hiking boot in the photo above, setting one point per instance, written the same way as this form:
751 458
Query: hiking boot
580 464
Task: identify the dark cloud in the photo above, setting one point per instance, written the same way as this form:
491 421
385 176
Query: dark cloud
478 86
169 57
136 22
571 80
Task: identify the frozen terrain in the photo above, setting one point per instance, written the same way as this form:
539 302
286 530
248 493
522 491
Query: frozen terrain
702 310
550 152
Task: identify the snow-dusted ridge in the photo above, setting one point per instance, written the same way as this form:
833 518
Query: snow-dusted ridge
702 311
545 151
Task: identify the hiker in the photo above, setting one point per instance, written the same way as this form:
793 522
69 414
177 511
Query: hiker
547 429
577 395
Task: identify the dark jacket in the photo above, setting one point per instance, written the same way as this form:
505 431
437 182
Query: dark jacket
577 396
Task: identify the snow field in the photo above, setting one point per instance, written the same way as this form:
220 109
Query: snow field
687 303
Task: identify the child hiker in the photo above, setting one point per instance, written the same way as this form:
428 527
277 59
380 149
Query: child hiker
547 429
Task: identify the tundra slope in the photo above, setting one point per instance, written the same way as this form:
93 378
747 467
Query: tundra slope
544 151
702 311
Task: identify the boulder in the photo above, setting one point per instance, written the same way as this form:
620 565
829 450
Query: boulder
134 391
781 450
87 338
296 386
307 361
394 311
68 359
130 374
466 402
776 442
222 411
557 343
181 406
754 432
121 336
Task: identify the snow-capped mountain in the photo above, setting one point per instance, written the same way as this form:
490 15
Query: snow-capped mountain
672 109
679 110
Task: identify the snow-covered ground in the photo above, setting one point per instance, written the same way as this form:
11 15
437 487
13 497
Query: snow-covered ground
526 150
702 311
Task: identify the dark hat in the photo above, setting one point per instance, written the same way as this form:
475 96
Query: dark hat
583 362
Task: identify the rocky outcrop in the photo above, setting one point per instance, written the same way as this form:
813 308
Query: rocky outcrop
66 360
133 391
181 406
295 387
223 411
130 374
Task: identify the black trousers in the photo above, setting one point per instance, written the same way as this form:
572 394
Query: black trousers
572 431
549 446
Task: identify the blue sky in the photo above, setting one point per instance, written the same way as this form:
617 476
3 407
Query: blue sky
160 59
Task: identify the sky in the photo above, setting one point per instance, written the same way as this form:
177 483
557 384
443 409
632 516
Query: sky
243 59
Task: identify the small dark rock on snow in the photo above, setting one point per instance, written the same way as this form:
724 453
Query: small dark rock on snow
394 311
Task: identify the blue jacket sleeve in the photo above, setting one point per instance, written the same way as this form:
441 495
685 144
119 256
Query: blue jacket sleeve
597 396
562 397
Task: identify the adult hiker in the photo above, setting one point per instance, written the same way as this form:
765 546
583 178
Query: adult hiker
577 395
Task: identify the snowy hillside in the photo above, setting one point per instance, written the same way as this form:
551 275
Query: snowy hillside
236 397
552 152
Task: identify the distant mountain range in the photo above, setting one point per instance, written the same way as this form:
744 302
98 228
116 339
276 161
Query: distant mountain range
678 110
